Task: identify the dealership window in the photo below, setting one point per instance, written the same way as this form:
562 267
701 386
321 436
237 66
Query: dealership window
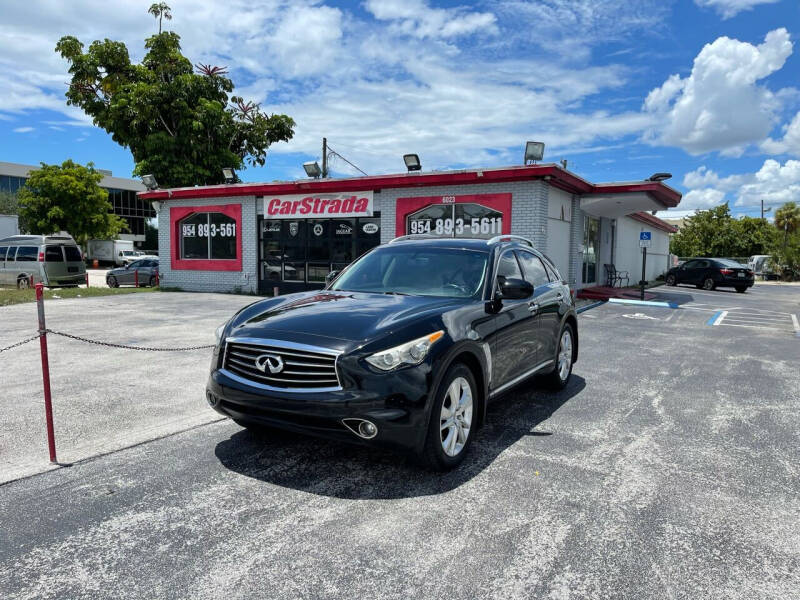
306 250
464 219
208 236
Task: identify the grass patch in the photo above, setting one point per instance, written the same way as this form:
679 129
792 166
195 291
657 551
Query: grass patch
10 296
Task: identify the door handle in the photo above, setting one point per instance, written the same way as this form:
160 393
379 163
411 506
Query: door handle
533 306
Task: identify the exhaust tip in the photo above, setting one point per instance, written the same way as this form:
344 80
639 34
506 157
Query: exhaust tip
361 427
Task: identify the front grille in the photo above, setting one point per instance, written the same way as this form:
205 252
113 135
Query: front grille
294 366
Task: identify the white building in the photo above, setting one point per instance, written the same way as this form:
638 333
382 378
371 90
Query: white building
252 237
121 194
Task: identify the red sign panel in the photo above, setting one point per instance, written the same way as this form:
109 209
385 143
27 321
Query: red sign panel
480 215
298 206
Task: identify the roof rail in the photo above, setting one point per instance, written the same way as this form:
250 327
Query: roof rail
500 238
415 236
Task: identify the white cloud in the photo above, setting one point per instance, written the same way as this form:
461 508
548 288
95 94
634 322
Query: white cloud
570 28
731 8
720 105
418 19
23 129
702 198
774 183
790 144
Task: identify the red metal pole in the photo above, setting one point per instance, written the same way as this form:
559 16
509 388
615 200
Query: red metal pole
48 403
158 280
30 280
87 279
136 277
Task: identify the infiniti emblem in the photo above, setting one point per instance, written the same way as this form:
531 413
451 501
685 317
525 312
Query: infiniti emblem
271 361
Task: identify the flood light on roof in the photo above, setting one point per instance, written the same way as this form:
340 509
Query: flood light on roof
312 169
533 151
412 162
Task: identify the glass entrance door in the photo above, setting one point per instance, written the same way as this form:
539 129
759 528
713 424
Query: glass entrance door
591 245
296 255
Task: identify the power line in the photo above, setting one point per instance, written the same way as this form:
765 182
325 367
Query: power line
332 152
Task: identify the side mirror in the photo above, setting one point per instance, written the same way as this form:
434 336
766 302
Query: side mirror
515 289
331 276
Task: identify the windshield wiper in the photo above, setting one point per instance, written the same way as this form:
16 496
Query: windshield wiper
396 293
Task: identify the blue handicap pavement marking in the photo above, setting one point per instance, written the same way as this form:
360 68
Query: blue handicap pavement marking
713 318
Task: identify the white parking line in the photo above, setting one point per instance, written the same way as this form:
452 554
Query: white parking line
795 324
756 321
720 318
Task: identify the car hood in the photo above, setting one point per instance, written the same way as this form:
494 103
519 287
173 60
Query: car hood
343 316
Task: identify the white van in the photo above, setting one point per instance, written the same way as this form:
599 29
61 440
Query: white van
54 260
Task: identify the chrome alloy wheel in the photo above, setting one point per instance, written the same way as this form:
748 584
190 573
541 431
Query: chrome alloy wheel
565 354
455 420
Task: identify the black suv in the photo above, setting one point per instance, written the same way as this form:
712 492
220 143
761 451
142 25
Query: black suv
403 349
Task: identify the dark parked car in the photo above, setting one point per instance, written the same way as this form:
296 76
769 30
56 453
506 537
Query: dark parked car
403 349
147 273
710 273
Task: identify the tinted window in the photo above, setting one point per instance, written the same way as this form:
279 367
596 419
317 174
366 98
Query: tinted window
691 264
730 263
27 254
703 264
533 269
53 254
137 264
3 250
73 254
508 266
445 272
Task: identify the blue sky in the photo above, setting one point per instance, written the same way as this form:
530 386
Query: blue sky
705 89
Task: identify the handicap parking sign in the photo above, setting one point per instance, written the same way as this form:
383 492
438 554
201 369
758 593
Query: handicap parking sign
644 239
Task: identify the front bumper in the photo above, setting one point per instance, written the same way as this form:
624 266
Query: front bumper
396 404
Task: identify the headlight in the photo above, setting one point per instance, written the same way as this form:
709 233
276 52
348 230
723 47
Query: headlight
410 353
218 333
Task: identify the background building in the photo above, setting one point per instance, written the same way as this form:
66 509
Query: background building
252 237
122 194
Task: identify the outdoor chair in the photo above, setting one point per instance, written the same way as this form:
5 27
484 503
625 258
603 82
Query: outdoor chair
613 276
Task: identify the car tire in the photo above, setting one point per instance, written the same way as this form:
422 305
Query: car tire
23 283
112 281
741 289
709 284
671 280
446 445
558 378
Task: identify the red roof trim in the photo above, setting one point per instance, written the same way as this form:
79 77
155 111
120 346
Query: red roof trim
654 221
554 174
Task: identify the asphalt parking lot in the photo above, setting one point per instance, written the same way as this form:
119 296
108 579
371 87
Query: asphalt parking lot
668 468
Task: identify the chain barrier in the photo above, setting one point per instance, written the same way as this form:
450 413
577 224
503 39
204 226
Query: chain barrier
127 347
36 337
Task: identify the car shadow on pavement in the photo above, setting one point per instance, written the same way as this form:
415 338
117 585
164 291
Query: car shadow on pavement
341 470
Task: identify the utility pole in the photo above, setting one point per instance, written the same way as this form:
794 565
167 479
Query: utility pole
763 212
324 157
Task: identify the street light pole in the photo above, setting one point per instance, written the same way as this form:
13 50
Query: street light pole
763 212
324 157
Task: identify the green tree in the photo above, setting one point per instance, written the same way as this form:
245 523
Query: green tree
9 205
68 197
160 10
181 126
715 232
787 220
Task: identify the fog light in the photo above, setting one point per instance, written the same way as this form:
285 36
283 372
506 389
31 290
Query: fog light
212 400
367 430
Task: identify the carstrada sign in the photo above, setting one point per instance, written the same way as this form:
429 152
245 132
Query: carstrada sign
300 206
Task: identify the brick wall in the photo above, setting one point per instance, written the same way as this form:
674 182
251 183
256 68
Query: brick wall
529 218
528 205
244 281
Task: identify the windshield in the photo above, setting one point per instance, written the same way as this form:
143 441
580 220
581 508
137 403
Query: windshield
444 272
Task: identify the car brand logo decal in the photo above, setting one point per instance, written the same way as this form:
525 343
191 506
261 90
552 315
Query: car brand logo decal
370 228
272 362
293 228
318 229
